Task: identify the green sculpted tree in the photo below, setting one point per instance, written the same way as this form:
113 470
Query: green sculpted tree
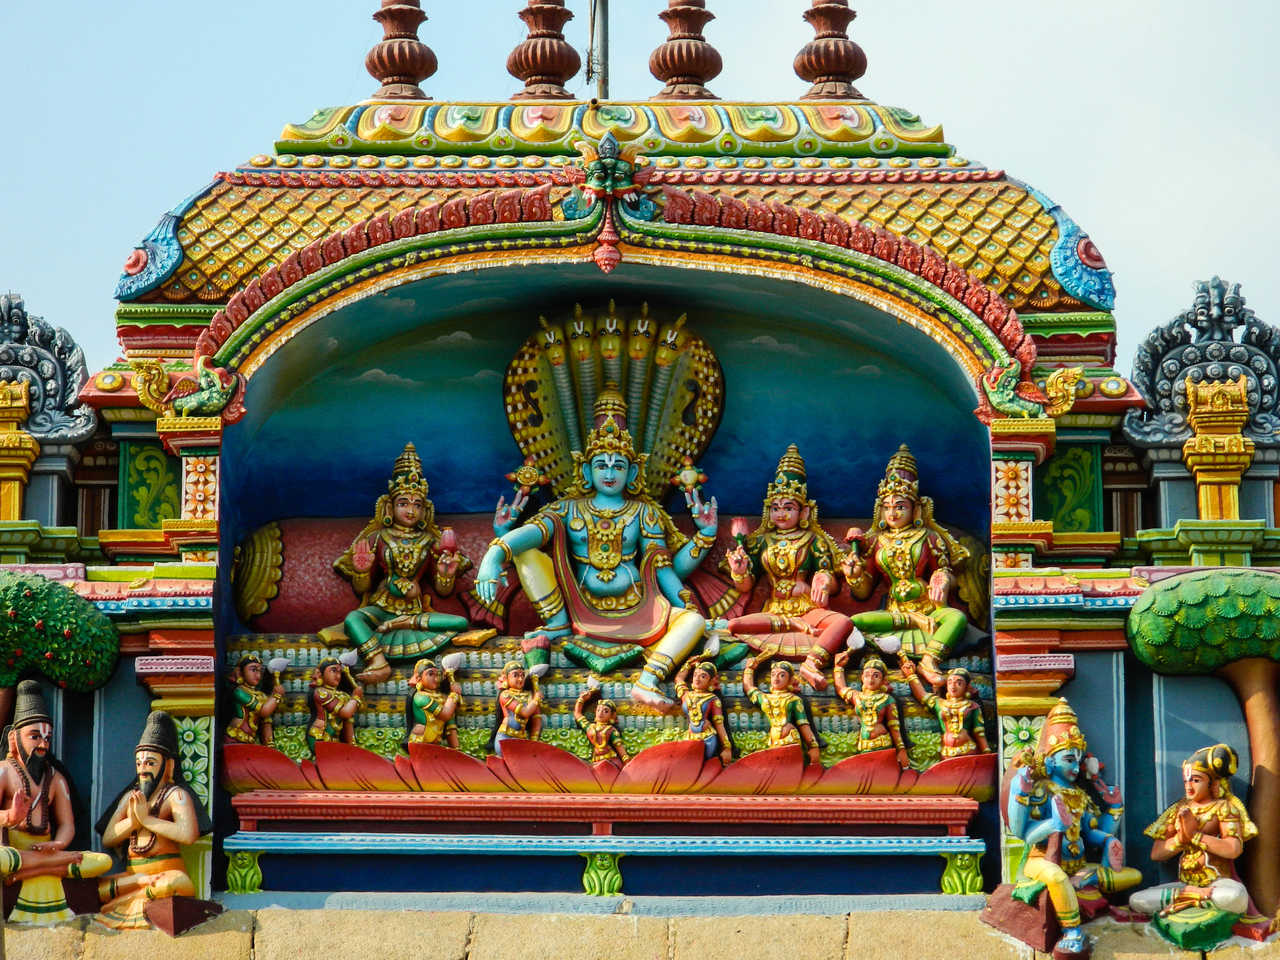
49 630
1227 622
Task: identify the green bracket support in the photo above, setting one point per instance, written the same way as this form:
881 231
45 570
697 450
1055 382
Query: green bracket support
962 874
243 873
602 876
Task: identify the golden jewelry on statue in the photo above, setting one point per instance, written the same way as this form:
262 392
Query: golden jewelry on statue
505 547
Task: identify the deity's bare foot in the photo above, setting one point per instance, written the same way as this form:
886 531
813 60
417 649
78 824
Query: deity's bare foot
932 675
811 673
654 700
377 670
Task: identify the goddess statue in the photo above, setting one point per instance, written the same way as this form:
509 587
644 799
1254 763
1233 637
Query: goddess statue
782 706
959 717
918 558
800 559
1206 831
602 733
1061 821
701 703
252 707
430 712
615 565
386 564
520 709
878 725
334 699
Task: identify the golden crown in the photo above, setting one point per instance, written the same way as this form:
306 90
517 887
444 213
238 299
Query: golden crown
1061 730
406 476
901 476
789 483
609 433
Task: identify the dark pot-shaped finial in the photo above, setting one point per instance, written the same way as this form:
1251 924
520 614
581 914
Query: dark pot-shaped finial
400 61
685 62
831 61
544 60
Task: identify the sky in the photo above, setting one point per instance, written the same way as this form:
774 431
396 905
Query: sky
1153 122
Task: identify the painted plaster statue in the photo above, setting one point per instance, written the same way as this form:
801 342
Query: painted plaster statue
520 710
701 703
1206 831
917 558
879 727
253 699
431 709
959 716
36 813
607 562
1063 820
602 732
397 551
154 817
334 699
782 706
800 560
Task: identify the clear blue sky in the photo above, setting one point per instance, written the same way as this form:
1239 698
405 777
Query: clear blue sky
1153 122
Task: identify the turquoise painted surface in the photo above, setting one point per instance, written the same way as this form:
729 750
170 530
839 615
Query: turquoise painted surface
331 411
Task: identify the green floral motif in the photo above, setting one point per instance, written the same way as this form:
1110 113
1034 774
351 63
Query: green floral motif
194 741
1020 732
1069 487
152 486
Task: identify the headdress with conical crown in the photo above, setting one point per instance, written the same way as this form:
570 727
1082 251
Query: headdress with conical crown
609 434
29 706
160 734
789 483
901 476
406 476
1061 731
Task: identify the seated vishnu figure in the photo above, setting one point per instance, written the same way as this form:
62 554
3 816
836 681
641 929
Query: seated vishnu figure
431 712
1062 821
36 813
252 707
800 560
386 565
782 706
155 816
917 558
879 727
602 733
959 717
701 703
1206 831
614 564
334 699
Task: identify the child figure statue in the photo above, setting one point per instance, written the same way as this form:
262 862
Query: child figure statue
782 706
431 712
878 725
520 709
253 702
334 698
960 717
1206 831
701 704
602 733
1061 820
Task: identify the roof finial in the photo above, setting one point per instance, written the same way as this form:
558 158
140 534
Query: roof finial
831 61
544 60
400 61
685 62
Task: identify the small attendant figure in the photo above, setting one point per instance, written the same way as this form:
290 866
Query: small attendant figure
602 733
782 706
959 716
701 704
1206 831
521 709
431 709
878 724
251 705
334 699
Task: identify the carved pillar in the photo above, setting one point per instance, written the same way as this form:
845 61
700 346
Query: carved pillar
400 61
544 60
18 449
1218 453
831 61
685 62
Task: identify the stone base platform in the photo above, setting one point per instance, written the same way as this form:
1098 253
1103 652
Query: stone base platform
520 927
